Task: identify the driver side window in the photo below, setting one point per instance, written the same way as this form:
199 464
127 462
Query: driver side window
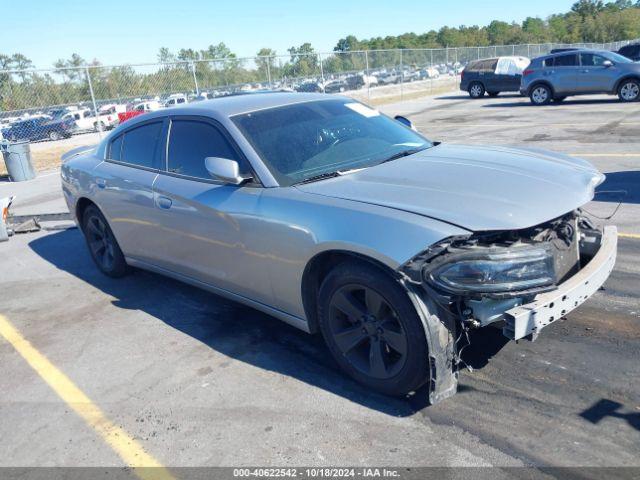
190 142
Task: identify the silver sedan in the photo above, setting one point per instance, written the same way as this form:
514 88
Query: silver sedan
323 212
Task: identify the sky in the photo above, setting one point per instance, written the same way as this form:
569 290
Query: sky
132 31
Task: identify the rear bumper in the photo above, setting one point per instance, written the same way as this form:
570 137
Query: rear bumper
548 307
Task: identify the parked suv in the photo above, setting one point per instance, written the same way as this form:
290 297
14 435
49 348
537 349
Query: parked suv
632 52
493 75
584 72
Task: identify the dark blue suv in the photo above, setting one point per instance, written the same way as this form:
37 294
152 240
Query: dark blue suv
493 75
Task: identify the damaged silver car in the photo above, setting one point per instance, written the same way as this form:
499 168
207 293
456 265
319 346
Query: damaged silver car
323 212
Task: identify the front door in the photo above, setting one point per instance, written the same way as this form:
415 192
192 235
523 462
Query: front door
594 76
206 225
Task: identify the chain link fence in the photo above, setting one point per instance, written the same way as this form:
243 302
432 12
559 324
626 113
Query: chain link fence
41 104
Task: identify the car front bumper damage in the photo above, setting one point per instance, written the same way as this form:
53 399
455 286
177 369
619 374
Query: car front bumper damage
528 319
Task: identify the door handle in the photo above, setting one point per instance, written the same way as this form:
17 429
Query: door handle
101 182
164 202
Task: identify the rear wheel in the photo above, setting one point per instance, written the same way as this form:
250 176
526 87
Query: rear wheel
372 329
53 136
103 246
629 90
541 95
493 94
476 90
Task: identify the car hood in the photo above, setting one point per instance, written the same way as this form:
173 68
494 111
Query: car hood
474 187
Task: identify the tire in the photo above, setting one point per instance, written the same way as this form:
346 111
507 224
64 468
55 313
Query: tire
372 329
629 90
99 126
493 94
53 136
476 90
559 99
541 95
103 246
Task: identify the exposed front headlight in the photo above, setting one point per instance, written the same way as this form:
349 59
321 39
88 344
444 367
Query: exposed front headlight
494 270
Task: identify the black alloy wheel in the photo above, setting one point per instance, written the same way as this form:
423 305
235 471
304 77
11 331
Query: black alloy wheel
367 331
372 328
103 246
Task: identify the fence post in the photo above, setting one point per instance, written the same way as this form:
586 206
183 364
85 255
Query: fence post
269 72
366 69
321 69
401 77
195 80
432 57
95 106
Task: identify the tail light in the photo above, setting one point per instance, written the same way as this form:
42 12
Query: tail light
462 75
527 72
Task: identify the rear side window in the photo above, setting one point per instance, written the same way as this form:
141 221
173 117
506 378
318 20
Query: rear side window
137 146
472 67
190 142
490 65
564 60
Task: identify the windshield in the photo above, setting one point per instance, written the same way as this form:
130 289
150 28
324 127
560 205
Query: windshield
304 140
616 57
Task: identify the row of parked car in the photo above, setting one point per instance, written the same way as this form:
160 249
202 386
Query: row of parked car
63 122
356 80
561 73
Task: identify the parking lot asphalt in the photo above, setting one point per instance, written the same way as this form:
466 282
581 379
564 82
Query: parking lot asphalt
196 380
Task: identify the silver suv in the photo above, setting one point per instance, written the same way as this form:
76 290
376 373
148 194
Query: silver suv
583 72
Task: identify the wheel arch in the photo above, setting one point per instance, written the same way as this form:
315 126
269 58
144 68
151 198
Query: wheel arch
81 206
631 76
541 82
317 269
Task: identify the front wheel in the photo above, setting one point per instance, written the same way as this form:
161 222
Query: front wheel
629 91
103 246
53 136
372 329
541 95
476 90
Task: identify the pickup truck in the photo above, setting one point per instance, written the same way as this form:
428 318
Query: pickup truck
139 109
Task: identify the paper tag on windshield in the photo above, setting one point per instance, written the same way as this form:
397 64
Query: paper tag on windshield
362 109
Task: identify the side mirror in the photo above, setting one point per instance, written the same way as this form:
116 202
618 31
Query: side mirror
607 64
225 169
405 121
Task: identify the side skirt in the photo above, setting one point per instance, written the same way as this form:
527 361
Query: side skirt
280 315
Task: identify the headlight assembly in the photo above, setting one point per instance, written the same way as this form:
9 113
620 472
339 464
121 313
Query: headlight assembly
493 270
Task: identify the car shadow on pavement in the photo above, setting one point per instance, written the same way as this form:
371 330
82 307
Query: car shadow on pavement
227 327
524 102
609 408
620 187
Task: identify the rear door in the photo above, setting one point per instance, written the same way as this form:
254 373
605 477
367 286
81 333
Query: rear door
563 74
124 191
487 75
594 76
207 224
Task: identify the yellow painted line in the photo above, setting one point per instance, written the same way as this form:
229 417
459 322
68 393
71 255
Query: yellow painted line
629 235
132 453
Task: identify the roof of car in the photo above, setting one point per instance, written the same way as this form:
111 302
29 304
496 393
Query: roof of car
574 52
235 104
229 105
